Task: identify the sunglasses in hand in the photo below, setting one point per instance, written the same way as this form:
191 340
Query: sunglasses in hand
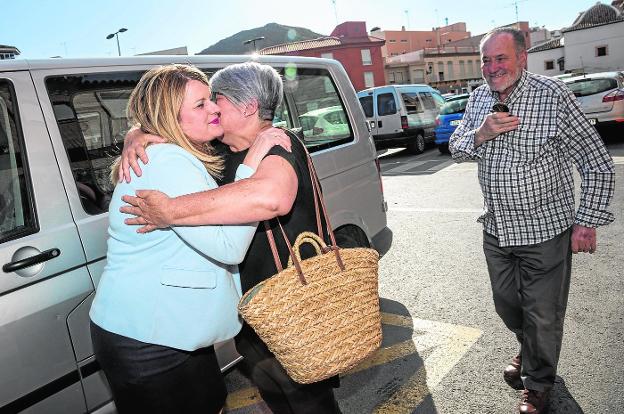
500 107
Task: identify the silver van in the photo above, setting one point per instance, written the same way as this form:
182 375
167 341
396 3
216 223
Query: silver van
402 115
62 122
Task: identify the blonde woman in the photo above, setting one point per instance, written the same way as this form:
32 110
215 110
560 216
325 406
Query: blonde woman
166 297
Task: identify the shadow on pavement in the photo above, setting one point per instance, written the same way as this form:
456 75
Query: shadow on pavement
561 401
394 380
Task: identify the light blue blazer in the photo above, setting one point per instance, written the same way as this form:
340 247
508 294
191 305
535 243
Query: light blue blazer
179 286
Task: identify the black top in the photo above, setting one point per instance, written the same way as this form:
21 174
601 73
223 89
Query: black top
258 264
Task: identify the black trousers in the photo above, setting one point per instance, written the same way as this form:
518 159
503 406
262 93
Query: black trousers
530 285
279 391
147 378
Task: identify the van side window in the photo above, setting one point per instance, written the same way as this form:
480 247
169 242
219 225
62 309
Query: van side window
439 100
386 104
17 215
90 111
412 103
367 105
321 114
427 100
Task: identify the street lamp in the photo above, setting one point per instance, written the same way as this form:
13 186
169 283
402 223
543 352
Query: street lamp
254 40
116 35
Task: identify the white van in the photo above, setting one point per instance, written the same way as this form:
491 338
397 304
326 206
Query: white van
402 115
62 122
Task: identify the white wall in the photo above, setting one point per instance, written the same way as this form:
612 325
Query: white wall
581 44
535 62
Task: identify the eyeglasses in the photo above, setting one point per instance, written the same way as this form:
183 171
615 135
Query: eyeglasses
500 107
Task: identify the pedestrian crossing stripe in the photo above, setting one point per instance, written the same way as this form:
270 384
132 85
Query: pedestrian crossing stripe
443 344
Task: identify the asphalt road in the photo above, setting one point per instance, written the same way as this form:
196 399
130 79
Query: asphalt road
444 346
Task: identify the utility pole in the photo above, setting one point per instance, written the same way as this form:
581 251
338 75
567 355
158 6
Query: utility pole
407 18
335 12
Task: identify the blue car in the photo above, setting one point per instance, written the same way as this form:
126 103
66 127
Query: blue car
451 114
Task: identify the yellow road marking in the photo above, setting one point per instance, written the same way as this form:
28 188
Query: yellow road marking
447 342
243 398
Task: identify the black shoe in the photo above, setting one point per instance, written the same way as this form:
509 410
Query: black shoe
511 374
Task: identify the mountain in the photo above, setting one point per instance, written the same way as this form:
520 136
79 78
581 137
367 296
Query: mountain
274 34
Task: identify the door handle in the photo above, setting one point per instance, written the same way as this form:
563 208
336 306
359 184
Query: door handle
379 124
32 260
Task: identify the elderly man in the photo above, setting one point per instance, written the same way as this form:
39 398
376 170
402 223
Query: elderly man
526 131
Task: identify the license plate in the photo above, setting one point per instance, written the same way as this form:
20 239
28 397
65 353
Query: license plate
455 122
593 121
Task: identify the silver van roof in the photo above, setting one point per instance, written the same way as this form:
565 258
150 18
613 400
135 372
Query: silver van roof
60 63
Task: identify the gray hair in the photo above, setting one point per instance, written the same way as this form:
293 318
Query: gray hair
245 82
517 35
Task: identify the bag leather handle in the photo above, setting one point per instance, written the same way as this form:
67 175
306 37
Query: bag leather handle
318 200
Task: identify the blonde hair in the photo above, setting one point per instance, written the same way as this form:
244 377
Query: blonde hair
155 104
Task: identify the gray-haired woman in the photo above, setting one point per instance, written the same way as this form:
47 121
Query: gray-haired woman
248 95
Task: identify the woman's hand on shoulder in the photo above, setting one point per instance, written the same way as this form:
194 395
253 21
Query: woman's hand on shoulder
263 143
135 143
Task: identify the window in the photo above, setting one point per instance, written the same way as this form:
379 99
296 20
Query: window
462 69
412 103
369 79
386 104
418 76
367 105
366 57
327 55
17 215
549 64
90 111
399 77
392 41
601 51
449 71
391 77
321 115
427 100
403 40
440 71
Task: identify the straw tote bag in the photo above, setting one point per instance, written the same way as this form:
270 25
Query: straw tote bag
319 316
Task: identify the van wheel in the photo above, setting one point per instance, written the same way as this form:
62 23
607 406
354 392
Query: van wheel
444 149
417 145
351 236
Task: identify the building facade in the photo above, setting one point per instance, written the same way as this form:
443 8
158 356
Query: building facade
8 52
593 43
350 44
403 41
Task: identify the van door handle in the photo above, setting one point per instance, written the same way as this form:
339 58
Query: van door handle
32 260
379 124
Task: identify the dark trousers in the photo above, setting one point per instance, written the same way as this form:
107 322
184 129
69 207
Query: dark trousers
530 285
147 378
279 391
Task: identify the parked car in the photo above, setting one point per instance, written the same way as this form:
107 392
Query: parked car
330 122
402 115
62 123
601 96
450 116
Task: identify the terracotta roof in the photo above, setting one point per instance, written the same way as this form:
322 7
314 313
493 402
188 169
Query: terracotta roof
318 43
301 45
596 15
549 44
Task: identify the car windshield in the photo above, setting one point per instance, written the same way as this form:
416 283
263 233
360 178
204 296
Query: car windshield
584 87
307 121
454 107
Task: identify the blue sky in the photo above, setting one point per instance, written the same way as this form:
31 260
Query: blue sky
78 28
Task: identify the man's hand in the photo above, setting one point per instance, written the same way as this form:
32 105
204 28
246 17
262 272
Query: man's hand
263 143
134 149
495 124
151 209
583 239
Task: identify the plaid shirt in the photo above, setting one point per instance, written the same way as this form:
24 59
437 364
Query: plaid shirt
526 174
